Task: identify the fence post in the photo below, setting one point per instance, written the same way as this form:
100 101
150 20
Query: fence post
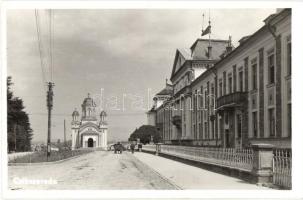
157 149
262 163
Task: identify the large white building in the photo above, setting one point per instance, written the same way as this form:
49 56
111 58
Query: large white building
89 131
232 97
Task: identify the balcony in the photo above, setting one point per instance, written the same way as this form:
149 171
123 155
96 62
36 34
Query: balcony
177 121
232 100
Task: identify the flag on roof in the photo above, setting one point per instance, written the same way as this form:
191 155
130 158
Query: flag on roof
206 31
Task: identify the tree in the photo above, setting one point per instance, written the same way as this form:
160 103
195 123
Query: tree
145 133
19 132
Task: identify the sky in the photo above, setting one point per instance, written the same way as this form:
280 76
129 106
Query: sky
121 57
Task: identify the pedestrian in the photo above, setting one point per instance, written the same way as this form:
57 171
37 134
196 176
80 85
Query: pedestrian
132 147
140 147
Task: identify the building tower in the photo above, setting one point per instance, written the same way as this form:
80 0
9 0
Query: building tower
75 129
88 109
89 131
103 128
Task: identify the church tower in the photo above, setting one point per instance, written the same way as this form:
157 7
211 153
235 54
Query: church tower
89 132
89 109
103 128
75 129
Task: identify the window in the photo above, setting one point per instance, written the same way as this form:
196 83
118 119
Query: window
271 122
211 97
239 126
220 88
254 76
289 118
213 129
271 69
205 101
195 100
205 130
230 86
289 58
226 118
201 97
241 81
224 83
255 124
200 130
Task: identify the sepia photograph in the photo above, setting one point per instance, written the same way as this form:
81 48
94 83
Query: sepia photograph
148 99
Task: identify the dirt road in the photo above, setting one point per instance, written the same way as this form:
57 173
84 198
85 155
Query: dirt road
96 170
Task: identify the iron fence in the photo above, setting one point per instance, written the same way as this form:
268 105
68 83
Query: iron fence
150 148
282 167
241 159
234 158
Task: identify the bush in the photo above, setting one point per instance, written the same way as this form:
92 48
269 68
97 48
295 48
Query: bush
144 133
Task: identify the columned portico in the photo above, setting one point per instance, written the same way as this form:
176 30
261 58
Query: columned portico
233 127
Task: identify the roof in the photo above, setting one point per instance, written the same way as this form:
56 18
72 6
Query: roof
186 53
243 39
103 113
244 43
168 90
75 113
88 101
200 49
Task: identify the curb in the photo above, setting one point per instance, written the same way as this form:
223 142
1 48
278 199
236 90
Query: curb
46 163
160 175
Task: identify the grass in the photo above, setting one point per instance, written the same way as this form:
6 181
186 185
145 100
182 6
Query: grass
37 157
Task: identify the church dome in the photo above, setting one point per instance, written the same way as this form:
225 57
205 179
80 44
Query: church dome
88 101
103 113
75 113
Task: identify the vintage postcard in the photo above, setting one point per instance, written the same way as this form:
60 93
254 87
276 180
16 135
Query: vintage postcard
136 101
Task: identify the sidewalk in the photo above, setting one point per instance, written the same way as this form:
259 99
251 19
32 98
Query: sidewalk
190 177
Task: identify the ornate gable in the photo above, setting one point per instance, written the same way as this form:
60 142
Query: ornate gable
181 56
89 125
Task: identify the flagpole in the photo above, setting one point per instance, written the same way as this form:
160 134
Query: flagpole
209 26
202 22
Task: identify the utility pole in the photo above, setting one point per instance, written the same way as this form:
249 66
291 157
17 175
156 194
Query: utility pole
64 134
50 95
15 131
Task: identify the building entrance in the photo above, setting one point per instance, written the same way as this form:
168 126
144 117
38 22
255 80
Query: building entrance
90 142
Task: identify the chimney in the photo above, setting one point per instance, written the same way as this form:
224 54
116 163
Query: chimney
209 52
229 47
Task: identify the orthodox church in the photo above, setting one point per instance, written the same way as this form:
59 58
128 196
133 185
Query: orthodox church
89 131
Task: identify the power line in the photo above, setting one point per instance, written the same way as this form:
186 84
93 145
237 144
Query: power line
40 47
51 43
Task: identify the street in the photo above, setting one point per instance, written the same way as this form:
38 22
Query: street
106 170
96 170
